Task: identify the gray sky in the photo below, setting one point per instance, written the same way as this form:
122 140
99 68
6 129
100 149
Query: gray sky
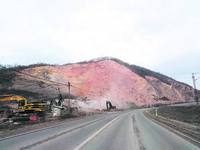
161 35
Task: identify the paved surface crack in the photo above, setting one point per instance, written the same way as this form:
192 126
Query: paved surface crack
137 132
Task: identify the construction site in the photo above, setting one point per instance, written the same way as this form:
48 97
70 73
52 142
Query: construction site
16 110
42 95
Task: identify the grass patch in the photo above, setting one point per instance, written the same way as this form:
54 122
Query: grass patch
188 114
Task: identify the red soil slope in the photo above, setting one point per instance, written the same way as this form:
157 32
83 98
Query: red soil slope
108 80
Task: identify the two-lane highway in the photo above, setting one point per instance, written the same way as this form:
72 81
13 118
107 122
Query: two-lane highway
128 130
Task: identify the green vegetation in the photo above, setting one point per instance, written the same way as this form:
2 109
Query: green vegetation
188 114
6 77
9 72
153 111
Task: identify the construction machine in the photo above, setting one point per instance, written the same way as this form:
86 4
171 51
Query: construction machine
109 105
12 98
17 107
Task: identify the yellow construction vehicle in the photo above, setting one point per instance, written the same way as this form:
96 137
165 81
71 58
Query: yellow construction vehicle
14 105
21 101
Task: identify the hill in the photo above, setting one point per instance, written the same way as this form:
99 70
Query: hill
99 80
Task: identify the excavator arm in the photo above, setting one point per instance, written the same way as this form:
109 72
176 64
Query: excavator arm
23 108
9 98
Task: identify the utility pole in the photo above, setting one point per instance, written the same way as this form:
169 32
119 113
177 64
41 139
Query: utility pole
156 112
195 90
60 98
100 100
122 103
100 103
69 84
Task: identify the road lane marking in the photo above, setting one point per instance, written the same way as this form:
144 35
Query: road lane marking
93 135
38 130
176 132
58 135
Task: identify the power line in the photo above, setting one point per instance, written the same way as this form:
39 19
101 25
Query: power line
59 84
109 97
84 91
195 90
96 94
40 80
198 84
35 77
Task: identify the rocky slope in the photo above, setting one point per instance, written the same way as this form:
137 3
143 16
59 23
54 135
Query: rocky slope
105 79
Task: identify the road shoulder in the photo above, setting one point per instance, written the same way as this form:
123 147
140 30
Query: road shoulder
179 128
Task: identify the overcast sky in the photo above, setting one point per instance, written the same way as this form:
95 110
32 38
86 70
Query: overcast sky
161 35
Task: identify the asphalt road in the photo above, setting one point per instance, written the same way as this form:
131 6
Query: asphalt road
128 130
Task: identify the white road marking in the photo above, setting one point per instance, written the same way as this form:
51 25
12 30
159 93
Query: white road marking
92 136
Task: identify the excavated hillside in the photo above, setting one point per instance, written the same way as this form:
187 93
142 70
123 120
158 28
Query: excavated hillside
106 79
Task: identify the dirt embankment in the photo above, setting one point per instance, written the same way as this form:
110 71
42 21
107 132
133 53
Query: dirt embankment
183 121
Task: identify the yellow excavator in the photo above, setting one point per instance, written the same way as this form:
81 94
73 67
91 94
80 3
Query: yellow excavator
21 101
18 107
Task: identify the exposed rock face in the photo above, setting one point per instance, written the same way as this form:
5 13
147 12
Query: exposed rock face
103 80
